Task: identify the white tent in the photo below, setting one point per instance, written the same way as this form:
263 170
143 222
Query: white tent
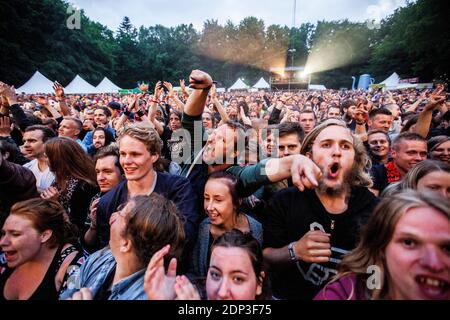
38 83
261 84
406 86
392 81
316 87
79 85
107 86
238 85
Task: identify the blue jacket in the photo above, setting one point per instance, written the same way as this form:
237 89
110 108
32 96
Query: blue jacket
175 188
94 273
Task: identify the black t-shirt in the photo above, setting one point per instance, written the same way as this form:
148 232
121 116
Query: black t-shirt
379 177
290 215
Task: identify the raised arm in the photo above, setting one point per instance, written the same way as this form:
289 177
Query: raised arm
183 89
61 98
223 114
201 82
174 97
422 126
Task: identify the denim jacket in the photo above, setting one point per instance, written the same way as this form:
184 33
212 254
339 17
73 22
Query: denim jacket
95 272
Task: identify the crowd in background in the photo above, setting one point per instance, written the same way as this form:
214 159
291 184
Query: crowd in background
196 194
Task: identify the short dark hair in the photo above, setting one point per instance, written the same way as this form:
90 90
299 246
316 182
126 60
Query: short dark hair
371 132
347 103
409 136
47 133
287 128
11 149
175 112
52 122
374 112
109 150
105 110
114 105
308 111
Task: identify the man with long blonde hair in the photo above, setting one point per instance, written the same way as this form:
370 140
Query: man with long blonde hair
308 232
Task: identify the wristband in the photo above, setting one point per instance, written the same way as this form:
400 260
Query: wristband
140 113
154 101
126 112
360 123
291 252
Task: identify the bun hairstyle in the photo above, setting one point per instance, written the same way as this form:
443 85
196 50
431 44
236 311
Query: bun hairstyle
48 215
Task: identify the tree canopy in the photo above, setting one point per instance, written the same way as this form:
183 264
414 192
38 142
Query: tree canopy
413 41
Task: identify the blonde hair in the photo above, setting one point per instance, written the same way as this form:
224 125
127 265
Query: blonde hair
145 134
359 176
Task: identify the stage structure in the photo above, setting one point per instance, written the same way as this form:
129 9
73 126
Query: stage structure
289 78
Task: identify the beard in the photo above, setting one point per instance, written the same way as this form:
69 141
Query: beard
340 188
332 191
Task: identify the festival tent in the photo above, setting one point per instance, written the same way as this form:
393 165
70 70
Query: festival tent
107 86
238 85
79 85
38 83
316 87
406 86
391 82
261 84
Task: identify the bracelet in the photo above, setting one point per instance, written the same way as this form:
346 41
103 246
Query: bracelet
140 113
291 252
154 101
126 112
360 123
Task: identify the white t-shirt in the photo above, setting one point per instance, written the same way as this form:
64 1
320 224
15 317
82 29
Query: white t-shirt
44 179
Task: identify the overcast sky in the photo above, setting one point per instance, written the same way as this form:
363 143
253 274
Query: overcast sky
174 12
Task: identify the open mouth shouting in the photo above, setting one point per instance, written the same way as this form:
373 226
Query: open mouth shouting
10 255
333 170
433 287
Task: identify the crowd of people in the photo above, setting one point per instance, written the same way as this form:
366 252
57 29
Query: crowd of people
189 195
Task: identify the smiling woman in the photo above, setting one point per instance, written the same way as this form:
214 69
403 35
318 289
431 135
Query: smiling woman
404 253
222 205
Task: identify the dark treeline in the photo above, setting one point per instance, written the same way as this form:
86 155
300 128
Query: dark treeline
414 41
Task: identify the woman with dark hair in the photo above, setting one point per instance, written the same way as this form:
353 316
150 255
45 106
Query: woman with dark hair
75 178
100 138
222 205
403 253
39 258
235 272
208 120
139 228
